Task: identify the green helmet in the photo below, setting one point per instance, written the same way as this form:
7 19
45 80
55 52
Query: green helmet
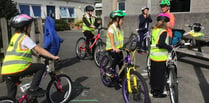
117 13
165 2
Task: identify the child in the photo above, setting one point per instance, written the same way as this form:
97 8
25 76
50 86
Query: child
159 55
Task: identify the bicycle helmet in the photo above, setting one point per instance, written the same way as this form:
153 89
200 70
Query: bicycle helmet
165 3
117 13
145 7
89 8
21 21
163 17
197 27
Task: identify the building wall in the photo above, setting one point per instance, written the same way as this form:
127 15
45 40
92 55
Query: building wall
199 12
78 6
133 6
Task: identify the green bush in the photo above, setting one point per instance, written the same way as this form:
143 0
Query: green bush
61 25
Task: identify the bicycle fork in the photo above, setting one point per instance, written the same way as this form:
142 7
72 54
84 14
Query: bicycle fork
128 75
57 83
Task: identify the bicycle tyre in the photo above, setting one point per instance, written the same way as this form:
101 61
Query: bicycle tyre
105 68
81 51
55 95
99 52
148 43
138 96
173 87
133 40
148 65
6 99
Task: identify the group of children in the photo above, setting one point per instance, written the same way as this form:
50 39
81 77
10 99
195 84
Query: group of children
18 61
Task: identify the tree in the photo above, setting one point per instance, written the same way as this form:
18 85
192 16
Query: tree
8 9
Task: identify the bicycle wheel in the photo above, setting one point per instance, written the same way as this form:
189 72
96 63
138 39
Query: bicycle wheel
148 67
80 48
59 91
173 84
133 40
148 43
6 99
99 52
139 92
105 70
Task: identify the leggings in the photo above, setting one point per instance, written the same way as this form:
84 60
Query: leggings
157 78
117 60
89 36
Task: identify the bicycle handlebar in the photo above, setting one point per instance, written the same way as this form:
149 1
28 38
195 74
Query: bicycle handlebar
45 57
100 28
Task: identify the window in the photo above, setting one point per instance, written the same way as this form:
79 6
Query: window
24 9
121 5
51 11
63 12
36 10
180 5
71 12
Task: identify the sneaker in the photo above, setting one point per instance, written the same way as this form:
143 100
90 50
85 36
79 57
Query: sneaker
159 95
36 92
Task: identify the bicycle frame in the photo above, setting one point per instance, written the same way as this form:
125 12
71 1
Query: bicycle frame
96 39
128 61
25 86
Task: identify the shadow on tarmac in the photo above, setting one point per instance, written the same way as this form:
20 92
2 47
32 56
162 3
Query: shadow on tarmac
203 84
66 62
78 87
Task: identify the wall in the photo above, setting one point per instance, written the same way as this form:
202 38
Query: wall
131 22
133 6
78 6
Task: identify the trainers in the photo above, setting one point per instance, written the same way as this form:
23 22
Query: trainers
36 92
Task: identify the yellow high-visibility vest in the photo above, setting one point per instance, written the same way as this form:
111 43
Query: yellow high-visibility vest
156 53
84 28
16 59
118 39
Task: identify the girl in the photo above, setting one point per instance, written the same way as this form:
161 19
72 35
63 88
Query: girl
115 38
158 55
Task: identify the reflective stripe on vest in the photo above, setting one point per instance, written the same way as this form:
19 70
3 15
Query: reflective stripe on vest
16 59
196 34
156 53
84 27
118 39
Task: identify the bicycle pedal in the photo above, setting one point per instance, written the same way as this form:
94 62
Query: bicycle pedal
109 75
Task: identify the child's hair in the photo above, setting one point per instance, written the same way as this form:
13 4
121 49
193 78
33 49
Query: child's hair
161 24
110 23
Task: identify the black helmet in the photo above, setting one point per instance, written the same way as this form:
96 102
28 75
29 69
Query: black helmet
164 17
89 8
197 27
21 21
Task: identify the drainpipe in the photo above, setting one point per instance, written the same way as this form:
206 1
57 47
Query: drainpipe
114 4
149 4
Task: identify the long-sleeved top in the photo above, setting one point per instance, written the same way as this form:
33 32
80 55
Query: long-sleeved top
144 23
88 24
162 43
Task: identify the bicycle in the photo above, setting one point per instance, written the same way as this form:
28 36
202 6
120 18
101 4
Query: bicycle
135 39
59 88
134 87
81 50
196 32
171 73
